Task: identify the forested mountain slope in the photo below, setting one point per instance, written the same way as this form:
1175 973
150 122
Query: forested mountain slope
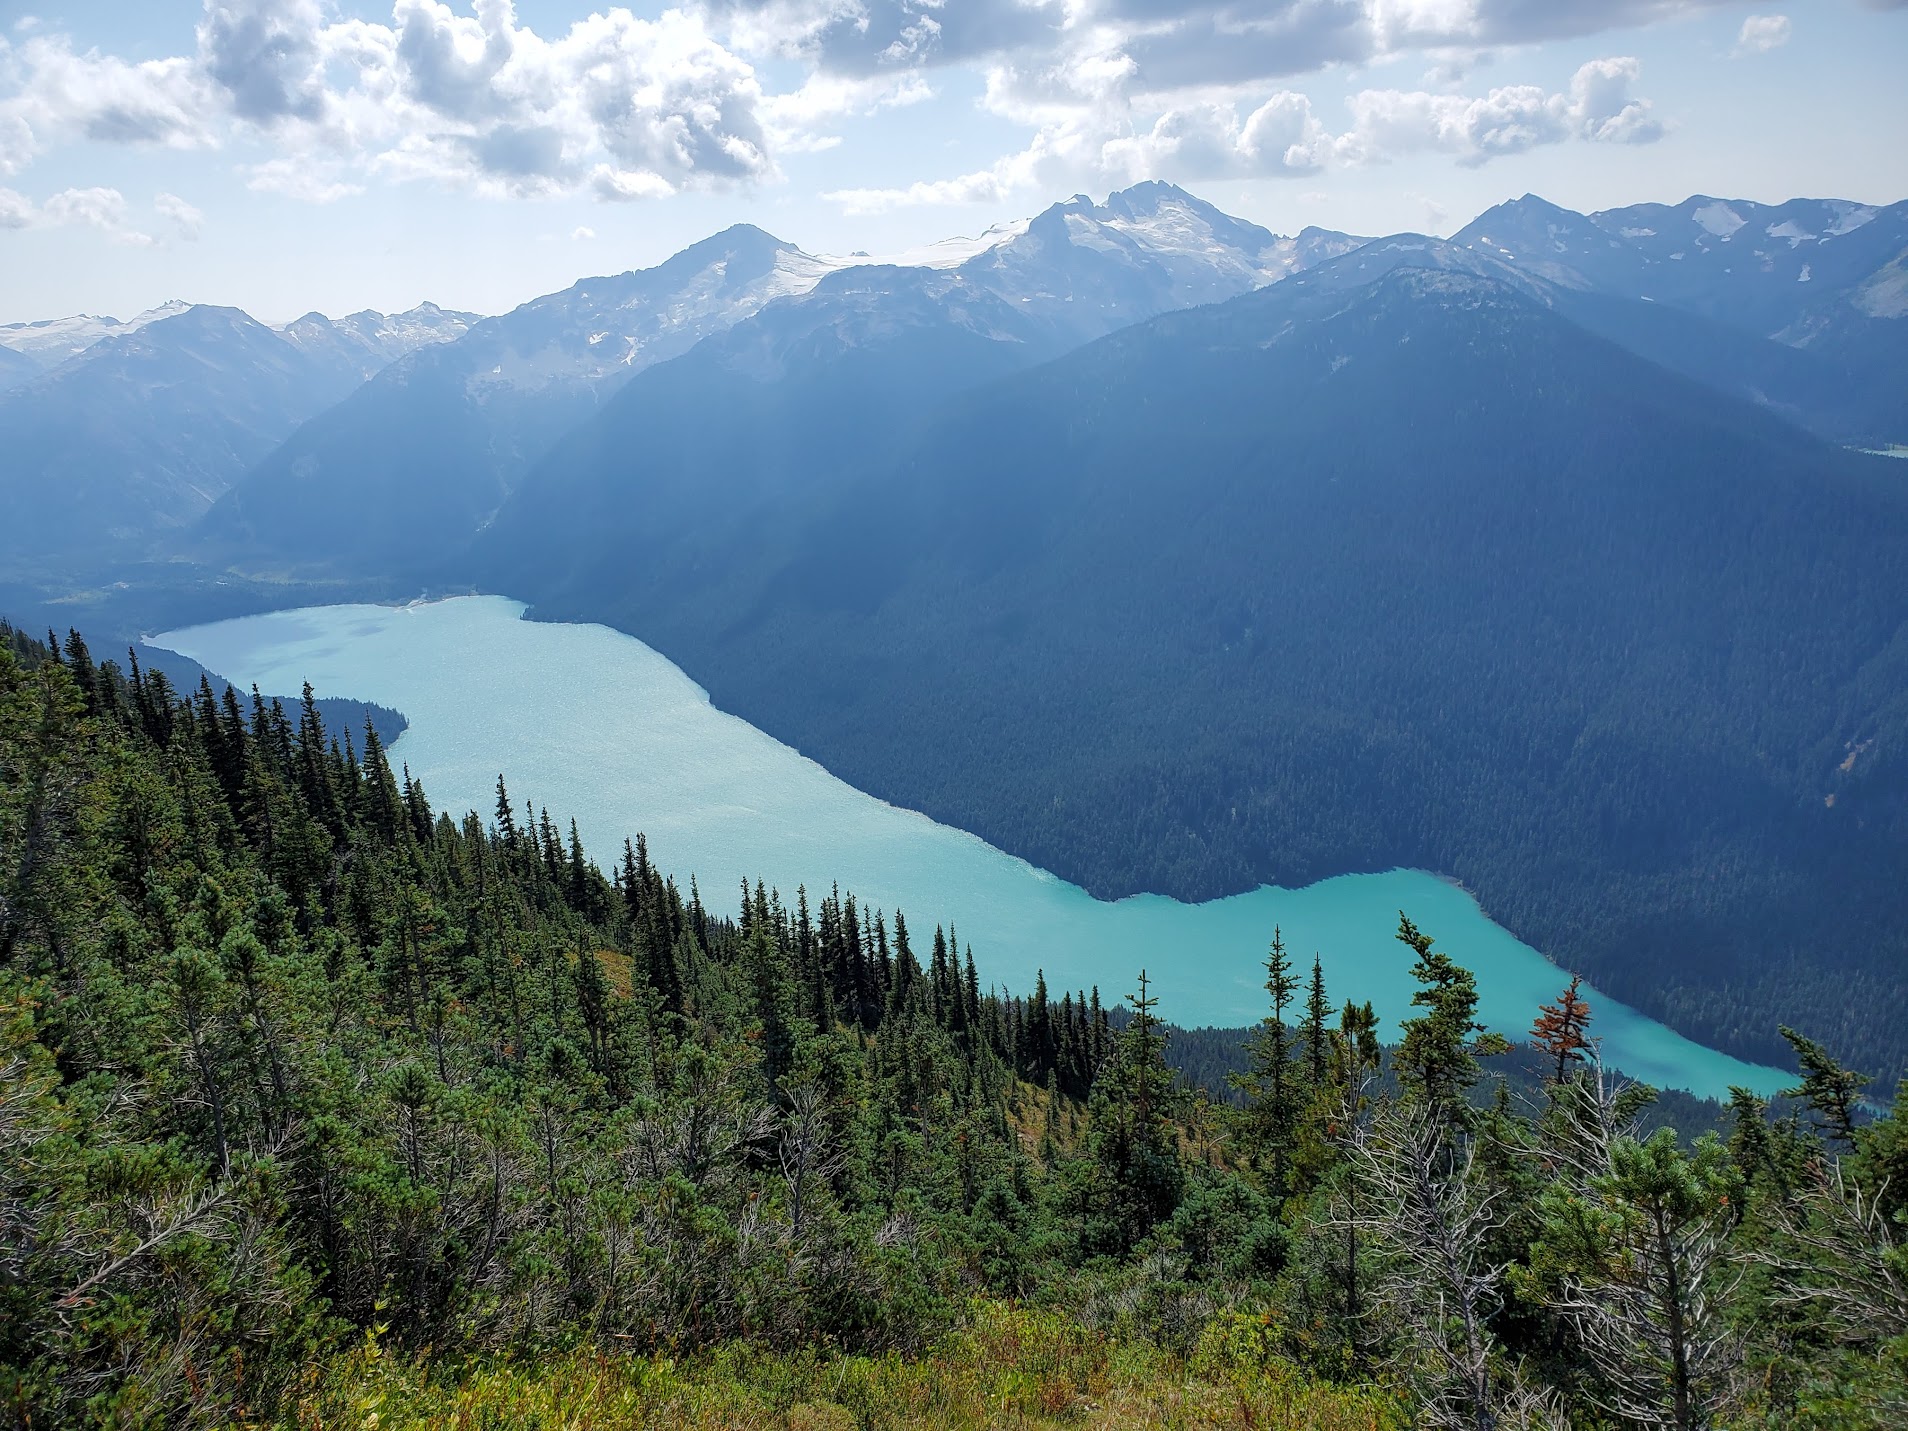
416 459
320 1105
1828 387
1336 577
795 404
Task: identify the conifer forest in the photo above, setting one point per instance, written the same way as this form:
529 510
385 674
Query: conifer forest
322 1106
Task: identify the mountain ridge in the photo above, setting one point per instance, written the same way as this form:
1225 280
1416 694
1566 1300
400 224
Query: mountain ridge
444 437
134 435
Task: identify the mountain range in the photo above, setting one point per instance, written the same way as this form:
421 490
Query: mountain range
421 456
1176 555
51 342
138 427
1823 279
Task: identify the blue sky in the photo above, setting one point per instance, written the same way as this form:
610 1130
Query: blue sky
285 155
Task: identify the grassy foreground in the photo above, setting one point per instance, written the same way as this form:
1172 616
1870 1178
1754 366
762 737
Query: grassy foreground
1012 1367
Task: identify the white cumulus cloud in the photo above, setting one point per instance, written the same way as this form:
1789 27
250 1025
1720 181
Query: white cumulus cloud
267 56
465 97
95 208
1762 33
187 222
1598 106
630 106
51 95
1283 135
16 210
312 180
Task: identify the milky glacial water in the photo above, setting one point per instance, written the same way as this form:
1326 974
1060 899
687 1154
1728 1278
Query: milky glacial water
592 724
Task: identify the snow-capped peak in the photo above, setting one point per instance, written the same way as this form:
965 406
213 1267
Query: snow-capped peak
943 253
54 340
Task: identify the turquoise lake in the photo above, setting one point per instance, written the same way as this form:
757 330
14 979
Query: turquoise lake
595 725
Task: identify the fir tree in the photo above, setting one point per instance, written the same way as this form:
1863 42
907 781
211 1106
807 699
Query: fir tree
1135 1103
1831 1091
1315 1031
1271 1098
1438 1057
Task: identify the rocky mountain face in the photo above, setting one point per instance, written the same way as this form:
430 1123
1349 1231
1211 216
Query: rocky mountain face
53 341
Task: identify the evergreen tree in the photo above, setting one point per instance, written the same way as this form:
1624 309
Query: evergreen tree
1315 1032
295 1059
1134 1107
774 1010
1271 1097
1438 1058
1831 1091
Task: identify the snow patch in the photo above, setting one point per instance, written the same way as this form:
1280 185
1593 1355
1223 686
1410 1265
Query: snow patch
943 253
1803 276
797 272
1885 293
1719 219
1849 217
1637 233
1790 230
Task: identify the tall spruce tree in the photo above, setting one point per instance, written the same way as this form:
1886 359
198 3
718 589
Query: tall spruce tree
1134 1110
1267 1083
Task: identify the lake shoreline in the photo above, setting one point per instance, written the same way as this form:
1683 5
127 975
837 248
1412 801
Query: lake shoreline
643 749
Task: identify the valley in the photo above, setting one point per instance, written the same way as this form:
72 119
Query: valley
991 715
1170 554
594 724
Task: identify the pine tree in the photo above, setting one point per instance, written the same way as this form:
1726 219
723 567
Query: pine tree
381 793
768 979
1358 1034
1749 1142
1315 1032
506 820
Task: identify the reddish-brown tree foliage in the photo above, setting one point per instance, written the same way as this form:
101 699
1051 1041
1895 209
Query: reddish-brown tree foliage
1559 1028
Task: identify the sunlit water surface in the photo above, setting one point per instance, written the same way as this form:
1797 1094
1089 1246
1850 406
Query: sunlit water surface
595 725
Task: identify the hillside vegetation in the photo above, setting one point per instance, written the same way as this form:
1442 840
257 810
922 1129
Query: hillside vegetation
318 1103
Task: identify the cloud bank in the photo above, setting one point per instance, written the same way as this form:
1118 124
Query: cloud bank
97 208
622 108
